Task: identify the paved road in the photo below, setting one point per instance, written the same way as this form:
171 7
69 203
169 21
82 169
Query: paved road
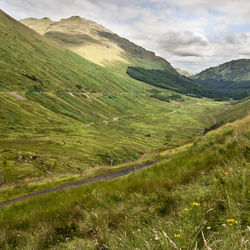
104 177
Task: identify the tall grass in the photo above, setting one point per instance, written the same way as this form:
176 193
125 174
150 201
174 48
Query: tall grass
194 199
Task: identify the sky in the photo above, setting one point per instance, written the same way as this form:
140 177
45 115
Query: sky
191 34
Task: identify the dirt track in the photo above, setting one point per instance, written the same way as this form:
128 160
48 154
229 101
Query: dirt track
104 177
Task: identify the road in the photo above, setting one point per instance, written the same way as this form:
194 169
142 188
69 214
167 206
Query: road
104 177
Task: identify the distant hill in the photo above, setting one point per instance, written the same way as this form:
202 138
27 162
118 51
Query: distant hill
184 72
96 43
231 78
172 81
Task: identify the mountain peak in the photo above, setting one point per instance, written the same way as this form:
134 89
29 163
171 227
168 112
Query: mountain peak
75 17
46 18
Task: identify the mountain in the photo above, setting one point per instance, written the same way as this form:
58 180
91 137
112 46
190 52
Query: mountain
96 43
100 45
62 114
184 72
231 78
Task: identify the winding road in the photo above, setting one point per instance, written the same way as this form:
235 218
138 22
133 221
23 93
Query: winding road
104 177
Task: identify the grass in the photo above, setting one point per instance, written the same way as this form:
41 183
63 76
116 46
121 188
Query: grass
77 119
198 195
68 124
62 145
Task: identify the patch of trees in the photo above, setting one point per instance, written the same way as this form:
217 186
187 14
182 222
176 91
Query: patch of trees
235 90
171 80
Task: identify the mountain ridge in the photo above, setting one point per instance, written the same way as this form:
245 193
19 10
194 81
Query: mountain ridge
96 43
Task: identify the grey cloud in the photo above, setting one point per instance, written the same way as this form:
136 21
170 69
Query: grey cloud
179 30
182 43
236 39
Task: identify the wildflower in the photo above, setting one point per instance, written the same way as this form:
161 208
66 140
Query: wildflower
156 238
186 209
195 204
232 222
139 230
177 235
224 225
226 173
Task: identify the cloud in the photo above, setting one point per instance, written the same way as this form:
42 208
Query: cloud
182 43
192 35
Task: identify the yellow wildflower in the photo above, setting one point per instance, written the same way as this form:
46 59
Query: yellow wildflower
226 173
195 204
230 220
186 209
177 235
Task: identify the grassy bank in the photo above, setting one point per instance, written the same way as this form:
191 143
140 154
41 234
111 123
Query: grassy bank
195 198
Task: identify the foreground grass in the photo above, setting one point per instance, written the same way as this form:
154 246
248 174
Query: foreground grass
195 198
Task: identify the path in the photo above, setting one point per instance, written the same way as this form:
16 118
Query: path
214 119
104 177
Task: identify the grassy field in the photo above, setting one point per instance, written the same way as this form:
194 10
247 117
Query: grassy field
57 146
195 199
63 117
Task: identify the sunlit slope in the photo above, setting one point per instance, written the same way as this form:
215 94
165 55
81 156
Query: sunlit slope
58 106
96 43
30 62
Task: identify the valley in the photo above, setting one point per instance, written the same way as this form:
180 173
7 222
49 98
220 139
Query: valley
105 145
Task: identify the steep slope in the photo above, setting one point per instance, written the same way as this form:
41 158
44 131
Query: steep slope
62 115
231 78
96 43
30 62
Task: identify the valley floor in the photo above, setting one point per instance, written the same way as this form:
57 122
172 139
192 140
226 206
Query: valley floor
197 198
57 137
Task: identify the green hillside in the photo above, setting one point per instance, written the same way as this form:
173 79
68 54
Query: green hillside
231 78
196 199
63 117
172 81
91 40
30 62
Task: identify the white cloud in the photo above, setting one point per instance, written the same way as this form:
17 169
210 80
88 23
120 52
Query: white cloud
190 34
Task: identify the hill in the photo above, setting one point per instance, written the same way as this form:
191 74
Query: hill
99 45
96 43
231 78
63 117
196 198
172 81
